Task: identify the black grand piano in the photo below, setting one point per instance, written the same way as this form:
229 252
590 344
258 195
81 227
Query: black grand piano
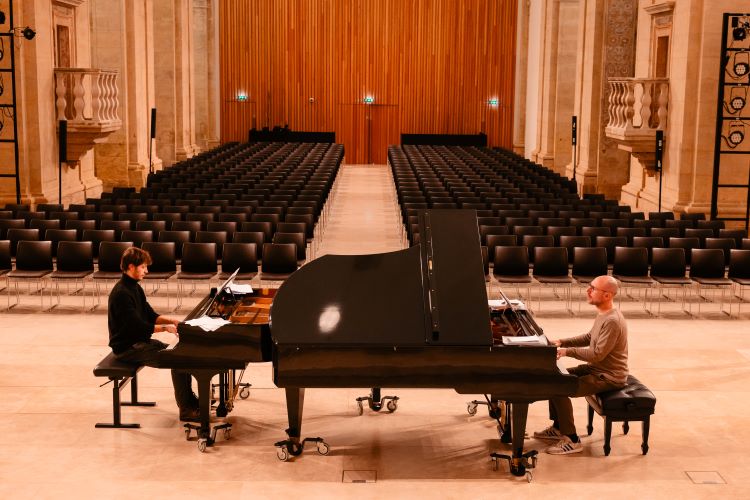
222 352
412 318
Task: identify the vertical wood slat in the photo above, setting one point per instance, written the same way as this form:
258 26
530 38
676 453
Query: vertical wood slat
431 66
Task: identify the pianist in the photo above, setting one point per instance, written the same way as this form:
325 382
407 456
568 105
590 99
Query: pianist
605 350
132 321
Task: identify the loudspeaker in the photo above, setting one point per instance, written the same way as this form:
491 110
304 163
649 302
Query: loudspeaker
62 141
574 131
659 151
153 123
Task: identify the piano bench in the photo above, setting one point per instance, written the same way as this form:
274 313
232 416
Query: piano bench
120 373
633 403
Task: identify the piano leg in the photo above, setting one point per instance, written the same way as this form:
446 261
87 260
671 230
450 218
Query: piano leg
520 463
221 408
206 435
294 446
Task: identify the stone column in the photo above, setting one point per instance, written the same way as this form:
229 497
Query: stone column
200 70
606 49
173 62
213 138
544 154
565 93
519 105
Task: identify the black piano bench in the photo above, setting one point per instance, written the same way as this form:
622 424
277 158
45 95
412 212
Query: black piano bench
633 403
119 374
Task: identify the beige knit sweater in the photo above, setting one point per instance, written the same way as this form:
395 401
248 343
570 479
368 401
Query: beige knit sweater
604 347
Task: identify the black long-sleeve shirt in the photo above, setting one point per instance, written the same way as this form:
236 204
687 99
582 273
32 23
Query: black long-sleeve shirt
131 318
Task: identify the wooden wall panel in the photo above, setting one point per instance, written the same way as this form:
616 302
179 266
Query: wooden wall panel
430 65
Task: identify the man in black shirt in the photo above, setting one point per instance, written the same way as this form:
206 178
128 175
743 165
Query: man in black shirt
132 321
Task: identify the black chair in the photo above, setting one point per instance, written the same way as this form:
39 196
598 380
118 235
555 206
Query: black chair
118 226
198 265
715 225
701 234
725 244
739 273
5 260
665 233
630 233
163 265
630 266
588 263
531 241
668 269
33 264
179 238
225 226
707 270
610 242
279 261
80 226
558 231
43 224
299 241
680 225
138 238
218 237
108 267
649 243
6 224
17 235
688 244
242 256
264 227
511 266
570 242
551 269
96 236
75 263
596 232
737 234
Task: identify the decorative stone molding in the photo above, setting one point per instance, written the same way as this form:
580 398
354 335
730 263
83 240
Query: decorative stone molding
88 100
638 107
660 8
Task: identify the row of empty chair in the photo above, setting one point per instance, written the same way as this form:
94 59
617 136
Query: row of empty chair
667 268
75 264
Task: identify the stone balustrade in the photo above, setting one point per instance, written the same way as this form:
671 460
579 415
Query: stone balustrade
88 99
638 107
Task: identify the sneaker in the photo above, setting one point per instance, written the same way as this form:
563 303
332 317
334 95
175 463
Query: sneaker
565 447
190 415
550 433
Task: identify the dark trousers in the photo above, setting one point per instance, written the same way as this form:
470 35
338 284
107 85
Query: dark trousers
144 353
561 408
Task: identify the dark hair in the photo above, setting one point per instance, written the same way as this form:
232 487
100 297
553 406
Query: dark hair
135 256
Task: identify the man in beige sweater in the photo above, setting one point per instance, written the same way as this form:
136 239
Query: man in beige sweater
605 350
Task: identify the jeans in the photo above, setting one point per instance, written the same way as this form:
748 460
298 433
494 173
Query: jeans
145 353
561 408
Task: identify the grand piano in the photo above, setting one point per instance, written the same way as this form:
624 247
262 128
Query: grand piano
246 339
415 318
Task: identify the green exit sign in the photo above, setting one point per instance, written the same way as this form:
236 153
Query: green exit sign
242 97
368 99
493 101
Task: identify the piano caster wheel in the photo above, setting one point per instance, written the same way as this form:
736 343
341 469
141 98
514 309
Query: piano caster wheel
392 406
202 444
375 406
494 413
323 448
360 408
471 409
295 449
245 393
282 454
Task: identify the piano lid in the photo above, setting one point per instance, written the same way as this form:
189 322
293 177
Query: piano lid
432 293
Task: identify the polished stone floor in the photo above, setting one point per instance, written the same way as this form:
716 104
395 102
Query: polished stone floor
699 370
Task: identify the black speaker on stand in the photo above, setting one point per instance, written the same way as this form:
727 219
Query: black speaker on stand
62 144
152 137
574 141
658 154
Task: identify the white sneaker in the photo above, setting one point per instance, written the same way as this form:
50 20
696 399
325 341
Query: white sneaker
550 433
565 446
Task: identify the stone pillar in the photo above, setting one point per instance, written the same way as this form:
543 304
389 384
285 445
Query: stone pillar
213 138
565 93
544 154
606 49
201 77
37 119
173 61
522 48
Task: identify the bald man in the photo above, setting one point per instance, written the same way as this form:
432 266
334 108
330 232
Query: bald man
605 350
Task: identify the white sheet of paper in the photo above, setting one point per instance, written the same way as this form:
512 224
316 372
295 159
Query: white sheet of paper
208 323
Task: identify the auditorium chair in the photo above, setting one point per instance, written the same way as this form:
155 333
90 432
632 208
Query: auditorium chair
511 267
707 270
242 256
739 273
198 266
163 265
725 244
630 267
16 235
33 264
668 268
279 261
75 263
588 263
688 244
551 269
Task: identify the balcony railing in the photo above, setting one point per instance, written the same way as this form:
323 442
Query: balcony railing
88 99
638 107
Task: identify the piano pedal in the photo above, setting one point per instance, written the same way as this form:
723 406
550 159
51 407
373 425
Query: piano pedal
289 448
390 403
523 465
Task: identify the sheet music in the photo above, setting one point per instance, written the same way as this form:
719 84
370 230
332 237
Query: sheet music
239 289
208 323
525 340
